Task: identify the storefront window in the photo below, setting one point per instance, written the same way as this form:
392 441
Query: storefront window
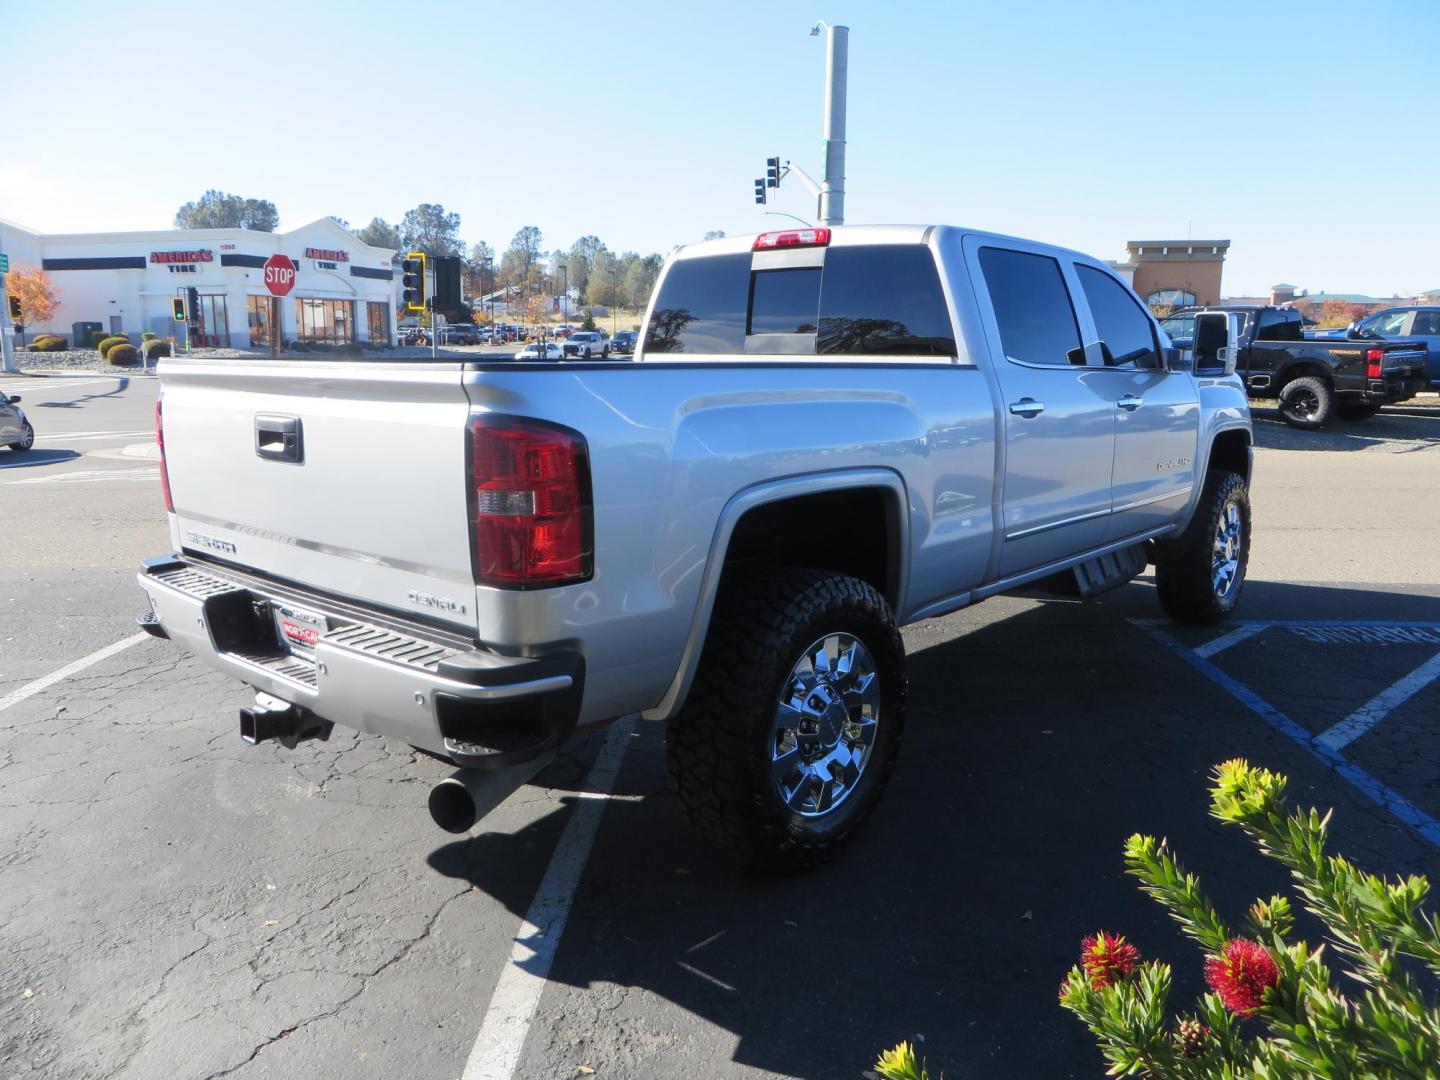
324 320
379 315
214 327
259 312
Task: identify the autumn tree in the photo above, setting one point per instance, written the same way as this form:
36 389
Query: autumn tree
432 229
31 288
380 233
1334 314
221 210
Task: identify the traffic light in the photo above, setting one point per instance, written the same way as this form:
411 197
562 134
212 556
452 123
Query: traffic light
772 172
177 309
192 303
447 282
16 315
760 192
412 280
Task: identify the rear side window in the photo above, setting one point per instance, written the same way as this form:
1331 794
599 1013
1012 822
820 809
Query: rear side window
1032 307
1427 323
1119 320
883 299
701 307
1279 326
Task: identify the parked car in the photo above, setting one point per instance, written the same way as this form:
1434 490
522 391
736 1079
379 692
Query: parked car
414 336
15 429
1398 324
624 341
587 345
729 548
540 351
459 334
1315 380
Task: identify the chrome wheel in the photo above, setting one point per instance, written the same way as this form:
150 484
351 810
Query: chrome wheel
1225 557
825 725
27 438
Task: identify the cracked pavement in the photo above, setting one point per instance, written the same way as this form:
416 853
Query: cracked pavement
175 904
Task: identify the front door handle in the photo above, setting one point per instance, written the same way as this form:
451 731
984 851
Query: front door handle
1027 407
1130 402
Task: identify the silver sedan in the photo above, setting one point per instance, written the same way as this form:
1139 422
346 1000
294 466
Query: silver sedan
15 430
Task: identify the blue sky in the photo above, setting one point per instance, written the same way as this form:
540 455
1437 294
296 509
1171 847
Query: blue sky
1305 134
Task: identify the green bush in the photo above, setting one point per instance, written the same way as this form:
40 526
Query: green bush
1272 1011
148 335
49 343
108 343
97 336
122 355
154 348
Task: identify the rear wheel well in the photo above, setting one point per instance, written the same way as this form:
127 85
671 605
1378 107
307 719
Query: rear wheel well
1301 370
854 532
1230 453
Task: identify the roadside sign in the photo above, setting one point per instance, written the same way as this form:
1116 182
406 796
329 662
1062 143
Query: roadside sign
279 275
4 263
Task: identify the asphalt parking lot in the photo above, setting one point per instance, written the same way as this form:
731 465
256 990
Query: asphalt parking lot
174 904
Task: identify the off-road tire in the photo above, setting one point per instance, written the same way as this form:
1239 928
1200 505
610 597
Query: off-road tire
27 439
1184 566
1355 411
718 748
605 353
1307 402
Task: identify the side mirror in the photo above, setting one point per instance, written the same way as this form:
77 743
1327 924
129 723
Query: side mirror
1212 343
1353 332
14 399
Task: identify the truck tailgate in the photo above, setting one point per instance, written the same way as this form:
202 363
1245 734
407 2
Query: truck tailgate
372 507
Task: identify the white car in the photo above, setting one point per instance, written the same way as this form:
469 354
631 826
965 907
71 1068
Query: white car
537 351
15 430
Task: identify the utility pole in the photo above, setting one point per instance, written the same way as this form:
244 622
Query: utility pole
7 332
837 67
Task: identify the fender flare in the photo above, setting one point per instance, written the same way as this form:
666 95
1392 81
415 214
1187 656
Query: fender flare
739 505
1203 466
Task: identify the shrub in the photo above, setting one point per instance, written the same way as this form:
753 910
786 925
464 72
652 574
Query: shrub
97 336
148 335
1299 1024
49 343
155 348
108 342
122 355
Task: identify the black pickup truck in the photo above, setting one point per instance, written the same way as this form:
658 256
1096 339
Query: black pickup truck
1315 381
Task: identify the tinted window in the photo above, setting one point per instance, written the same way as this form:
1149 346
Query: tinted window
1119 319
1179 326
701 307
784 301
883 299
1032 307
1427 323
1279 326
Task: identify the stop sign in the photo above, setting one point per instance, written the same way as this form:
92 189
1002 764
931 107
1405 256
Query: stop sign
279 274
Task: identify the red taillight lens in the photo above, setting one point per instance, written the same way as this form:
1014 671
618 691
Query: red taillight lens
530 504
1374 363
791 238
160 444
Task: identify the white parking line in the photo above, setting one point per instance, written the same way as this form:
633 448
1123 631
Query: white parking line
87 476
57 436
1381 705
1234 637
497 1047
30 689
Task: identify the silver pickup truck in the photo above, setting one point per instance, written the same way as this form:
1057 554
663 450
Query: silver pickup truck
825 434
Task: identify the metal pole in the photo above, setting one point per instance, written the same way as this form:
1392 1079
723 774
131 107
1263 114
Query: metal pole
837 65
434 320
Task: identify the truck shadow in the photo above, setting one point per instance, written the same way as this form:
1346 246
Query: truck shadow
32 458
1037 743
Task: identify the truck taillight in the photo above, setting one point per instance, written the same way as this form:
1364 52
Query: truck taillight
160 445
767 241
530 504
1374 362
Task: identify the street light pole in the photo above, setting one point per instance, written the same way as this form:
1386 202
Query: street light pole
837 71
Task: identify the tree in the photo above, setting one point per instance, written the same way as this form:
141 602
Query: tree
380 233
604 282
525 246
220 210
31 287
480 269
342 223
429 228
639 280
1334 314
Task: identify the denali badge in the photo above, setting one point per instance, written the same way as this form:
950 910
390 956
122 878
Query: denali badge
1178 463
425 599
210 542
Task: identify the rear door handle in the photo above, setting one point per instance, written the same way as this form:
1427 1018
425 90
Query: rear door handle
1130 402
1027 407
279 438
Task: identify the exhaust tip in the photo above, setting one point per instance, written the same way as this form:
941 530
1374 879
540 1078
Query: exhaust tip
451 806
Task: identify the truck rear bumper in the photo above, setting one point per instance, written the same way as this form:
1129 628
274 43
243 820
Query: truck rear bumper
369 672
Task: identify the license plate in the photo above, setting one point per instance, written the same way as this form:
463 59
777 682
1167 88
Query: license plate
298 630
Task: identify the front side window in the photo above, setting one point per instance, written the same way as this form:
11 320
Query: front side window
701 307
1032 307
1388 324
884 299
1119 319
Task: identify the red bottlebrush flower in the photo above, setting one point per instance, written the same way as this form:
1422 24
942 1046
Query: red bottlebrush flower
1107 958
1241 974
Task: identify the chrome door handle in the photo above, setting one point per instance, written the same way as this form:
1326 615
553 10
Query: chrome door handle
1027 407
1130 402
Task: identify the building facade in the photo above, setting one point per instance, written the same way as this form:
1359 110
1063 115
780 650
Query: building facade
1175 273
127 281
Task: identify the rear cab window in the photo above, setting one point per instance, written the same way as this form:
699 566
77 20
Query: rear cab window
856 300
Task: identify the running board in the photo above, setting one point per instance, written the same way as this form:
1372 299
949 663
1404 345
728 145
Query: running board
1110 571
